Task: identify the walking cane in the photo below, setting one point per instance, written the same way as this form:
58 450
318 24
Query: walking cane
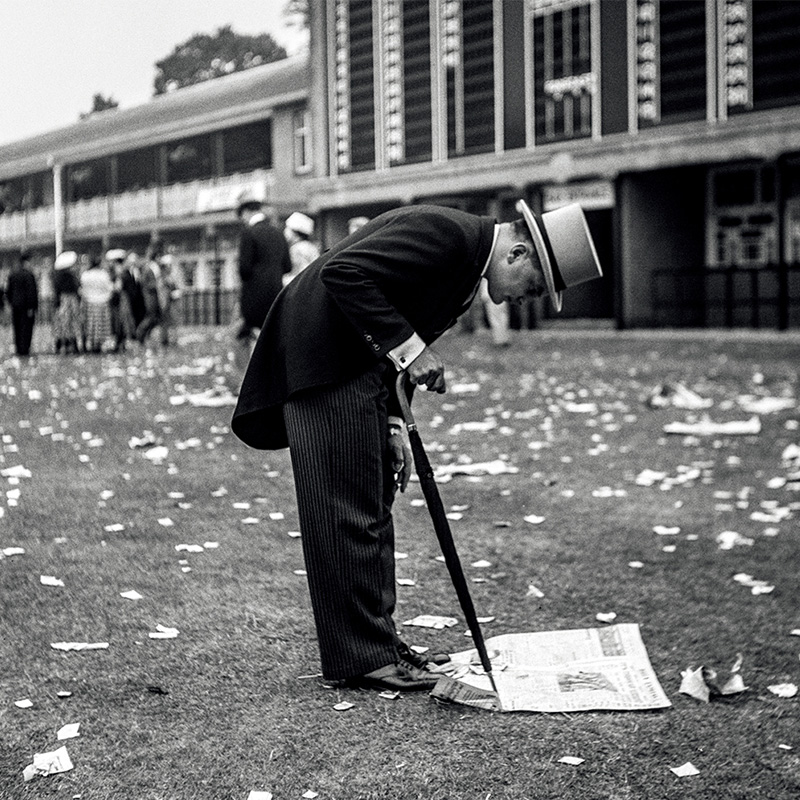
442 527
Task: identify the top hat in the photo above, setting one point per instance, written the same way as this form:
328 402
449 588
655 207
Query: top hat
300 223
65 260
564 246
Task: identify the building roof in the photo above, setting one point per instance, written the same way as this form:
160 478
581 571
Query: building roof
223 102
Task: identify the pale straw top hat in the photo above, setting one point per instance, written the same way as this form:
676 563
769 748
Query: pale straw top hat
564 246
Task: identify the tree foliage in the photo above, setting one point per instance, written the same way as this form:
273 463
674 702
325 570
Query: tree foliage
207 56
100 103
296 13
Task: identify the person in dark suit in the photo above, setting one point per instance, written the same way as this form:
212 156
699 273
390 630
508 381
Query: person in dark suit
23 297
321 380
263 261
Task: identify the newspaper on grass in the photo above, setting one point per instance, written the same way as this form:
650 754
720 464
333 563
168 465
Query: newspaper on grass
558 671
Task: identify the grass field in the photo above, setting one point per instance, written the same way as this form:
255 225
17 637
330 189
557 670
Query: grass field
234 702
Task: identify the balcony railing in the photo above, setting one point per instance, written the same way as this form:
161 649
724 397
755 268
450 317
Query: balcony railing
140 206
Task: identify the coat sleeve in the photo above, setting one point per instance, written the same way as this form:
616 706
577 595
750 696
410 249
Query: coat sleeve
247 254
396 262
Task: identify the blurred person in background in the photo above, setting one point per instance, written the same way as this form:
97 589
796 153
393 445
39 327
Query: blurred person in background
96 291
122 325
298 230
263 261
149 278
168 293
22 295
66 303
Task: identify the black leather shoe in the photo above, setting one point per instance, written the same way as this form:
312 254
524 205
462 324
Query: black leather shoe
399 677
420 660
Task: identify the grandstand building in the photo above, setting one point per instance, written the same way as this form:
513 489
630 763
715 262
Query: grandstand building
169 170
675 124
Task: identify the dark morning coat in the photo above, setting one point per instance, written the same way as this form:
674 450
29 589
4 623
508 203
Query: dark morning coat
263 259
410 269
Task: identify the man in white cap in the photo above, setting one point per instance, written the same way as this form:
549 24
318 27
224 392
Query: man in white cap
321 381
298 230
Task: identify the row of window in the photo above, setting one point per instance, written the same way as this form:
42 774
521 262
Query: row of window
434 67
244 148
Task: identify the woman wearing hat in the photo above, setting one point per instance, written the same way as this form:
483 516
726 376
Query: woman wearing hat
298 230
66 302
96 291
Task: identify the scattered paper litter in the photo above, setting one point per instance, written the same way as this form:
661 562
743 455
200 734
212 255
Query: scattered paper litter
497 467
431 621
571 760
115 527
79 645
765 405
189 548
26 703
255 795
163 632
707 427
50 580
533 591
685 770
343 706
666 530
132 594
785 690
704 683
727 540
13 551
69 731
48 764
310 795
17 471
606 616
678 396
533 519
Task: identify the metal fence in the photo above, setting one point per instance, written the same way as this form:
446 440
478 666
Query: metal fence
729 297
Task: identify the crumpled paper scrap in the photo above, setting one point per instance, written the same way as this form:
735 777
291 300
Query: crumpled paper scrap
785 690
48 764
17 471
163 632
704 683
678 396
496 467
432 621
79 646
707 427
69 731
685 770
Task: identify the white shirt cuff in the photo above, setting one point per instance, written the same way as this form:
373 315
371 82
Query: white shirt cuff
405 353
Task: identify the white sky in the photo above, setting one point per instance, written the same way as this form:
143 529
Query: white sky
55 55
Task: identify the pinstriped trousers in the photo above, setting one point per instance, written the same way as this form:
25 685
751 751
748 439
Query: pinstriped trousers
338 445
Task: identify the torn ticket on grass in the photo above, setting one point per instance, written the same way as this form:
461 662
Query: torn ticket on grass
48 764
707 427
558 671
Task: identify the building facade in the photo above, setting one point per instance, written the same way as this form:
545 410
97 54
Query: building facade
675 123
169 170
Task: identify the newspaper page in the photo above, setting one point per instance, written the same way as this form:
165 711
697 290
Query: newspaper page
558 671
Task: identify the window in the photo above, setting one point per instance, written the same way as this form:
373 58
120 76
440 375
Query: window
301 126
247 147
137 169
189 159
563 79
87 180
